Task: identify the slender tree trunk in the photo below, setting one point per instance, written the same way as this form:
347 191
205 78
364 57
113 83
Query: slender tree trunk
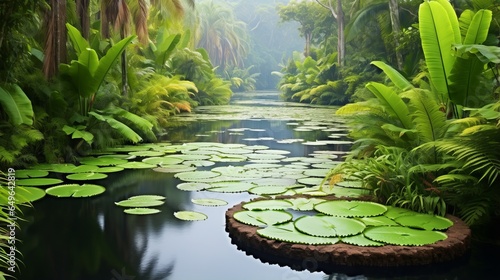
55 40
307 50
82 11
124 68
341 34
396 30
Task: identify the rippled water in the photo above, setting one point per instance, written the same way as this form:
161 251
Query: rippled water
93 239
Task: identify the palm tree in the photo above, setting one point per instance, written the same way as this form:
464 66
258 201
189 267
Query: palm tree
222 35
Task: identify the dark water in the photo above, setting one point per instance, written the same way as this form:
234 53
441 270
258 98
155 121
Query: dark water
93 239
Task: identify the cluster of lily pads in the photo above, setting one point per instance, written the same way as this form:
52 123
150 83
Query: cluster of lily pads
316 221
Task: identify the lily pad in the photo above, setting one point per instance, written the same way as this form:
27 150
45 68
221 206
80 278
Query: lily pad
75 190
328 226
86 176
109 169
70 168
230 187
176 168
190 216
288 233
361 240
268 190
310 181
140 202
404 236
193 186
317 172
395 212
354 208
198 163
304 204
148 197
272 204
196 175
141 211
136 165
425 221
31 173
209 202
147 153
160 161
38 182
262 218
102 161
378 221
350 184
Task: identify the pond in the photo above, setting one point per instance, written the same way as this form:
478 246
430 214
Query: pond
92 238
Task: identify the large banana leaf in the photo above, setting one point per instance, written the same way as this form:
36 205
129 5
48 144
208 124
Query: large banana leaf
392 102
437 35
79 43
120 127
464 22
165 48
401 82
464 77
16 105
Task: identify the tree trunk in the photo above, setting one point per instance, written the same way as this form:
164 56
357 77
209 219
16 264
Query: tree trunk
307 50
55 40
341 34
396 30
82 11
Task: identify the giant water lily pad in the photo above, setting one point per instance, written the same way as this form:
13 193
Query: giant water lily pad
148 197
316 172
262 218
75 190
328 226
86 176
176 168
193 186
378 221
404 236
160 161
147 153
230 187
304 204
272 204
141 211
195 176
310 181
361 240
425 221
268 190
354 208
136 165
213 202
288 233
102 161
140 202
109 169
395 212
190 216
32 182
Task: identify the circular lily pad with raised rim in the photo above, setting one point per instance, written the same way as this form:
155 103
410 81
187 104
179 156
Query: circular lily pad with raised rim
148 197
304 204
141 211
361 240
271 204
190 216
31 173
161 161
177 168
140 202
102 161
263 218
268 190
193 186
230 187
354 208
288 233
196 175
39 182
86 176
425 221
213 202
404 236
75 190
328 226
136 165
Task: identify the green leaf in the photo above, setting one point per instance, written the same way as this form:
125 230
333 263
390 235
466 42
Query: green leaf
360 240
353 208
85 176
79 43
120 127
165 48
148 197
31 173
141 211
288 233
328 226
404 236
268 190
273 204
209 202
193 186
304 204
196 175
230 187
102 161
425 221
24 195
378 221
391 102
140 202
437 33
399 81
16 105
262 218
38 182
136 165
190 216
75 190
478 29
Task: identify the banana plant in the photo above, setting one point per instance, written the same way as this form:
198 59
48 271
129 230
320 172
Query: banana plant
16 105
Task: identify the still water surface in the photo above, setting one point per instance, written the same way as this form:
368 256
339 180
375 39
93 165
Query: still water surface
71 239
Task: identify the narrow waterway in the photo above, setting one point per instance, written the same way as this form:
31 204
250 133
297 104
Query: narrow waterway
91 238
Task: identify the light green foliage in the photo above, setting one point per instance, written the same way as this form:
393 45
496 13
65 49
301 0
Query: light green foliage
75 190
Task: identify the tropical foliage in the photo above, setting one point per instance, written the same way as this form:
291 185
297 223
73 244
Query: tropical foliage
429 145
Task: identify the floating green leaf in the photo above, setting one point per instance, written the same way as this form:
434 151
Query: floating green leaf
140 202
109 169
102 161
196 175
141 211
361 240
198 163
350 184
147 153
328 226
304 204
148 197
174 168
272 204
268 190
262 218
193 186
425 221
190 216
38 182
136 165
230 187
161 161
31 173
317 172
354 208
209 202
288 233
86 176
75 190
310 181
378 221
404 236
395 212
